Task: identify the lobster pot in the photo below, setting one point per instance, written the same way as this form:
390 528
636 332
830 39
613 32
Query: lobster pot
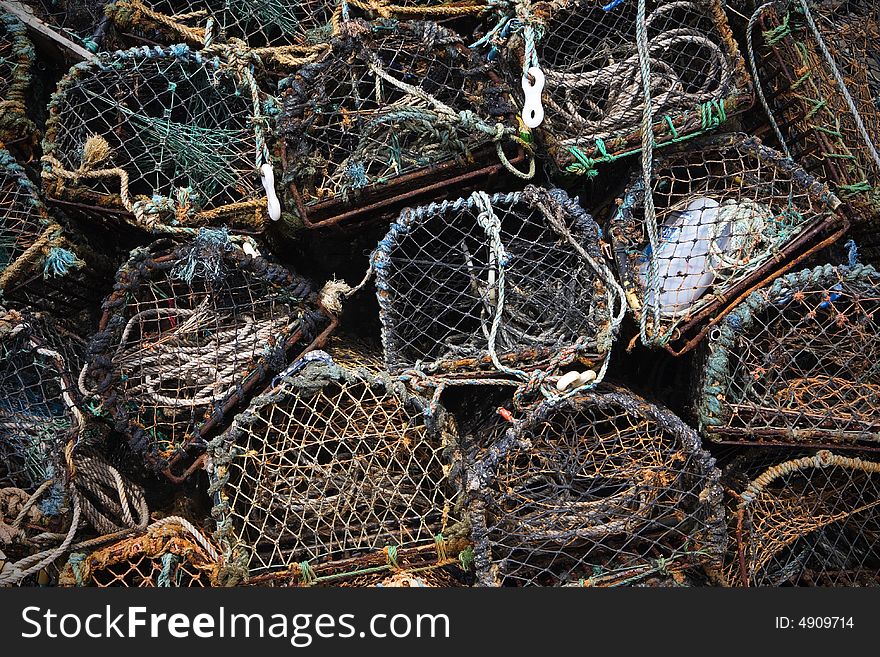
731 214
16 56
448 273
81 21
394 111
162 138
167 555
443 564
806 521
602 489
332 463
798 362
190 331
592 95
39 363
810 107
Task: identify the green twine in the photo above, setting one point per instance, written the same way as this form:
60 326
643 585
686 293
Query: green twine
170 562
778 33
391 551
855 188
59 262
76 560
586 166
712 114
308 575
466 558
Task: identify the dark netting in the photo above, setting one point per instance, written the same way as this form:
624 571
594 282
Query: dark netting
392 107
803 521
797 362
81 21
602 489
483 283
16 56
333 463
812 114
730 213
172 553
39 364
446 563
169 138
588 58
189 332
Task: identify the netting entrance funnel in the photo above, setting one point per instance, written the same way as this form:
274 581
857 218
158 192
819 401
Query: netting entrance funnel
797 363
811 520
171 553
812 114
516 276
190 331
167 139
592 91
16 56
600 488
39 364
731 215
395 111
334 471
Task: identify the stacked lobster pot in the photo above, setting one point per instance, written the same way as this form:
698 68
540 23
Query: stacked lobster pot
17 131
165 139
597 489
725 219
338 475
579 64
393 112
191 330
818 68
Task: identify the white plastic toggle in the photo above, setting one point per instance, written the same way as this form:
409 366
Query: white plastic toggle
533 111
267 175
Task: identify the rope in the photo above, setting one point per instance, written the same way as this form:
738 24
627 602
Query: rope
755 75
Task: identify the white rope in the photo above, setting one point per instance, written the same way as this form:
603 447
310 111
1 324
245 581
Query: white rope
757 78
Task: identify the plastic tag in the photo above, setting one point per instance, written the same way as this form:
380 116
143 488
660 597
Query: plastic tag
267 175
533 111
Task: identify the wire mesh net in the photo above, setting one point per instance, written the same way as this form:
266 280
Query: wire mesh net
518 276
329 464
600 488
81 21
188 333
797 362
16 56
805 521
729 213
809 106
167 555
391 104
592 92
38 368
172 137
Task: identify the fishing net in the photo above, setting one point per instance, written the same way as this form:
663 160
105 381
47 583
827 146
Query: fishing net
797 362
730 213
393 111
599 488
493 283
807 104
81 21
39 364
333 463
588 66
444 564
188 333
16 57
807 521
172 553
168 139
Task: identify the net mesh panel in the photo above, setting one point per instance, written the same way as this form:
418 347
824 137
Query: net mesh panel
730 211
180 126
188 332
16 56
259 23
38 367
603 489
165 556
446 564
78 20
593 95
437 282
797 362
390 99
331 463
807 102
807 521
